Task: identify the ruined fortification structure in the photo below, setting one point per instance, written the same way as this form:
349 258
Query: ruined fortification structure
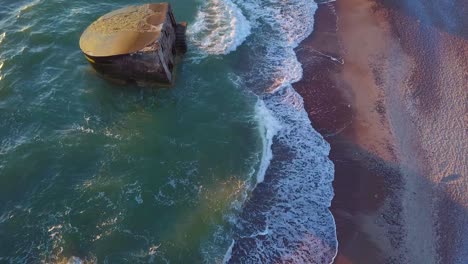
135 43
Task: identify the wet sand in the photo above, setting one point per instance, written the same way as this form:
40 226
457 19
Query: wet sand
373 85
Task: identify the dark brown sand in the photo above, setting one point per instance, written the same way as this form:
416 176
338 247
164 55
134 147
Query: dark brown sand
372 78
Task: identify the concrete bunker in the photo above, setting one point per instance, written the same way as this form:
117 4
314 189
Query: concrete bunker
135 43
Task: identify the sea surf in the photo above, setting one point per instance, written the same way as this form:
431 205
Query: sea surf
225 167
292 223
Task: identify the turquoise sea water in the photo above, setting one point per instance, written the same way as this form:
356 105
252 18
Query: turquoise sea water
95 172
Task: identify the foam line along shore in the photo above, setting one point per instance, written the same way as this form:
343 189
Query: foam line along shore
291 201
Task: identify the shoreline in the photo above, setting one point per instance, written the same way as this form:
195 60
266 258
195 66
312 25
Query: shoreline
360 64
353 122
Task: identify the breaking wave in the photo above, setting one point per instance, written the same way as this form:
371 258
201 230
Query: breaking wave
287 217
269 127
220 27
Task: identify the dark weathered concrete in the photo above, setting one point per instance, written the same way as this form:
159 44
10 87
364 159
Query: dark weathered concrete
136 43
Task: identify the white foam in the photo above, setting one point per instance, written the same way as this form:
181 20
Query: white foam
138 199
219 28
300 227
1 66
2 37
227 256
26 7
259 233
75 260
268 127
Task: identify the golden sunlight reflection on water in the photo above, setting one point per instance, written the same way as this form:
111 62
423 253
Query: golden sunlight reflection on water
213 201
1 66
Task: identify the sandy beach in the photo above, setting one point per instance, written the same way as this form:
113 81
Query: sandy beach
385 83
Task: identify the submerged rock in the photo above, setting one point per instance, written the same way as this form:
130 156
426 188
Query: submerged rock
135 43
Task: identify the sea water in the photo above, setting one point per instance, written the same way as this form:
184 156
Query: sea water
93 172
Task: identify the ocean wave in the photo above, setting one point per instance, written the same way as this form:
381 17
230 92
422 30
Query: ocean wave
268 127
29 5
219 28
297 213
293 207
1 66
2 37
